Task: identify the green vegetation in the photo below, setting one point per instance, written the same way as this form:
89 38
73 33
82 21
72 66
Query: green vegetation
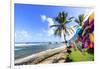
80 19
76 56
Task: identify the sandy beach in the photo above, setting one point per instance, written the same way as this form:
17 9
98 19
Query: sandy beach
57 58
42 57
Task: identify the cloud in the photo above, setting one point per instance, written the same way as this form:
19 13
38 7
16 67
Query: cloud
43 17
50 22
22 35
50 30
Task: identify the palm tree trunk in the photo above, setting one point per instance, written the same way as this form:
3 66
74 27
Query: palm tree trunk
64 36
65 41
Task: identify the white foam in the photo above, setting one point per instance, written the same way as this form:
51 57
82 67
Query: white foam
21 45
17 49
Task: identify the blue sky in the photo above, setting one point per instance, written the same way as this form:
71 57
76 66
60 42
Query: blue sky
32 21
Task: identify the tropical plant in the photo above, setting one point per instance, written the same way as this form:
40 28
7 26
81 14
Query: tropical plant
80 19
61 21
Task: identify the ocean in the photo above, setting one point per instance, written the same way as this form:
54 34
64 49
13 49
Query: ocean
23 49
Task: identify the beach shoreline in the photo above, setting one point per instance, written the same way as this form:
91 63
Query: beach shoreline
38 57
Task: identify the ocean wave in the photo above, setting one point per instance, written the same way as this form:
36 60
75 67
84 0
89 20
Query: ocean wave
34 44
25 44
16 49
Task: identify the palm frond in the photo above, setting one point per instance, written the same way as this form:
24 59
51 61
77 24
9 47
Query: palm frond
75 26
77 21
64 14
68 21
70 18
57 32
61 17
67 32
72 29
54 26
81 18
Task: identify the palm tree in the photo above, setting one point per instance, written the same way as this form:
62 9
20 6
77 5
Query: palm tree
80 19
61 20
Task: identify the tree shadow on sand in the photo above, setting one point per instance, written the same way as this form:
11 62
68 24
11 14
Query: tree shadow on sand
68 59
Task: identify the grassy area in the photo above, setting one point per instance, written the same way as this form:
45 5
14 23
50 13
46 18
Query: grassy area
79 56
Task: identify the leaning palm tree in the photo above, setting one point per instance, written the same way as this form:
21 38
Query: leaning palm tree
80 19
61 20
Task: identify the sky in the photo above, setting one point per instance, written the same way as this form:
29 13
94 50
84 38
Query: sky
32 21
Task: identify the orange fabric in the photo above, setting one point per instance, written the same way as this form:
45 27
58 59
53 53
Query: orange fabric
91 37
91 17
90 45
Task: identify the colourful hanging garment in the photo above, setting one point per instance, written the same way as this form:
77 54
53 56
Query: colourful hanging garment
87 33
